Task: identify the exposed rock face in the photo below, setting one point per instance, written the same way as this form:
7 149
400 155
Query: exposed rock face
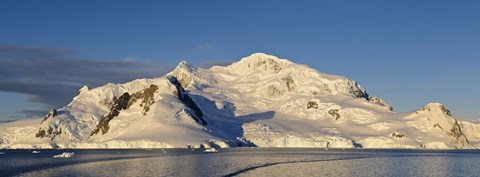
445 110
182 96
120 104
312 105
260 101
270 64
146 96
273 91
457 134
51 113
289 82
334 113
378 101
124 102
358 92
51 131
398 135
434 105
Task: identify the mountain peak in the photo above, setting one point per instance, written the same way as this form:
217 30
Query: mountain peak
434 107
184 73
259 57
183 65
83 89
260 62
261 100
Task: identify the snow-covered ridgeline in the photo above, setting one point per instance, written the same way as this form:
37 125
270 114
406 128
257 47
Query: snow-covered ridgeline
261 100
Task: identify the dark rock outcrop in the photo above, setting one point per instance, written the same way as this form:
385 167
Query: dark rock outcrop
289 82
360 94
185 98
52 130
398 135
124 102
120 104
146 96
312 105
446 111
51 113
457 134
378 101
434 106
273 91
270 64
357 92
334 113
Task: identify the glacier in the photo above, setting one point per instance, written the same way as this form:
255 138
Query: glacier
259 101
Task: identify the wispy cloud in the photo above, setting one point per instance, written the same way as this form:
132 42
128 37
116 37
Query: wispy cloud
30 113
52 76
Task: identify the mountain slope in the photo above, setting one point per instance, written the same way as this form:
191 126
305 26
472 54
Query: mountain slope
260 100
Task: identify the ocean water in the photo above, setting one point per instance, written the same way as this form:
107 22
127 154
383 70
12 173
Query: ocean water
242 162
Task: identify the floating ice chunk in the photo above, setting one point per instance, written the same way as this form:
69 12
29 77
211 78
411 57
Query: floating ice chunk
64 155
210 150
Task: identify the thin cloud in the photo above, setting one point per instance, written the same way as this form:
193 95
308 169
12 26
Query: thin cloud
52 76
30 113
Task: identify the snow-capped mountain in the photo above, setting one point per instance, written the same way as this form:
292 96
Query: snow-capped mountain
260 100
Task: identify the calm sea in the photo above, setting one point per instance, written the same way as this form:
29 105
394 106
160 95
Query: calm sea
242 162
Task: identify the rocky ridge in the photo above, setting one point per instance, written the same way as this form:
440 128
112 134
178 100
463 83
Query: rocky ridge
261 100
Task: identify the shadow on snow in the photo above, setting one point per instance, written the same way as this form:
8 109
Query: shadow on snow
223 123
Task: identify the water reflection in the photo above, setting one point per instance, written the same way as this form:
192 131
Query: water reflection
274 162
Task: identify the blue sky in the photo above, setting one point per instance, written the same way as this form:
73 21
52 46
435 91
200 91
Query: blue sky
407 52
